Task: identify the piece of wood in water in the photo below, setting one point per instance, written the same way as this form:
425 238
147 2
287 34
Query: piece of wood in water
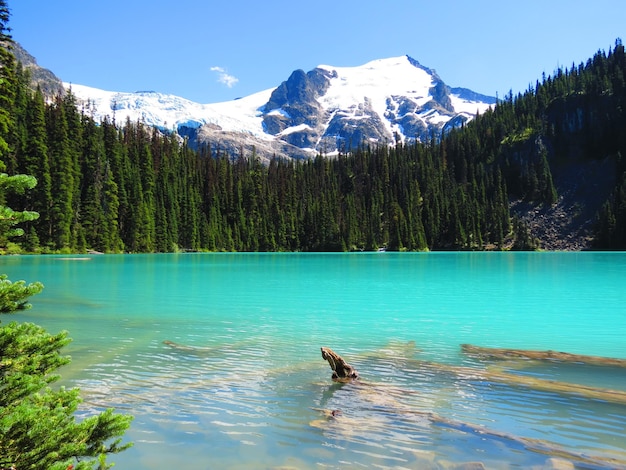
568 388
342 371
554 356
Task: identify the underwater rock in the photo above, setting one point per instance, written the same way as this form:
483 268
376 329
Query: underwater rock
342 371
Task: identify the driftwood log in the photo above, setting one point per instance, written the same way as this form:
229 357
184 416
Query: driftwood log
554 356
336 417
342 371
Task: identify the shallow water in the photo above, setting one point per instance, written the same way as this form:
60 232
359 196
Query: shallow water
247 387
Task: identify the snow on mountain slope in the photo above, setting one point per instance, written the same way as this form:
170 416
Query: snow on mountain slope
169 112
241 115
376 82
469 107
325 110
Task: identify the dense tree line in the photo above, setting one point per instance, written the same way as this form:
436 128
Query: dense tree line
112 188
116 188
123 187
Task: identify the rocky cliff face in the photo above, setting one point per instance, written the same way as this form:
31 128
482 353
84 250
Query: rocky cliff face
293 112
41 77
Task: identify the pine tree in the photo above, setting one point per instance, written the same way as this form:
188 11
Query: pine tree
37 424
8 86
16 184
33 160
110 208
63 174
91 196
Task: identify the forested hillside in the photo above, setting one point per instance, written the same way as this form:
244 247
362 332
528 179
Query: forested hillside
123 187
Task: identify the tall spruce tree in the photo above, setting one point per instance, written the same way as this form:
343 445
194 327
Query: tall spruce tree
62 171
33 160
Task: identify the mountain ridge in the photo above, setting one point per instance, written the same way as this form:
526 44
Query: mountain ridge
326 110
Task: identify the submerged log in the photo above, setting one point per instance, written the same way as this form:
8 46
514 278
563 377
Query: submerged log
554 356
194 350
333 417
184 347
555 386
342 371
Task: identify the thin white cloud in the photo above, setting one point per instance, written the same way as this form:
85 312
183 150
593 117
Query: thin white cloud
224 77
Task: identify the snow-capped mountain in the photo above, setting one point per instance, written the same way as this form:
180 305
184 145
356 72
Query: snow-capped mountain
325 110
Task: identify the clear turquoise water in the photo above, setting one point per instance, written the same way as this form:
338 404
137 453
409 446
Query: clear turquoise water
250 395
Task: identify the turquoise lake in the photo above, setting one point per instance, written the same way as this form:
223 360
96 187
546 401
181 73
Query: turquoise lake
244 384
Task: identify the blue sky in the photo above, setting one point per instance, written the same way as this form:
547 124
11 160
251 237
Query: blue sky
210 51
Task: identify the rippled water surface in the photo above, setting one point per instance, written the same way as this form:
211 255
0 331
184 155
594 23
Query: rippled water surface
218 356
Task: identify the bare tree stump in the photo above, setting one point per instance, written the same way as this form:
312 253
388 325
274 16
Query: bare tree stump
342 371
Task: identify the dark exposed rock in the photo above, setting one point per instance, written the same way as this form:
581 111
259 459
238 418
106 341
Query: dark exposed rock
467 94
41 77
404 112
456 121
360 125
569 224
441 95
294 102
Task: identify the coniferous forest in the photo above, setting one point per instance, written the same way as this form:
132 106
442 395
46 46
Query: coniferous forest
123 187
